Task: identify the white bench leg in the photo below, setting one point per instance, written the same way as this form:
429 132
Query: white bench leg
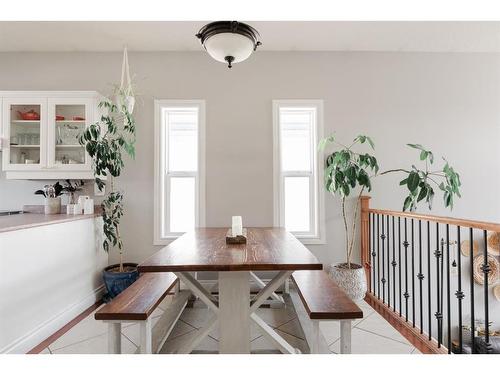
345 337
287 286
146 337
315 337
114 338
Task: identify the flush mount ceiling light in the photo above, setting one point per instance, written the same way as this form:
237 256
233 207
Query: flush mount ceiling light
229 41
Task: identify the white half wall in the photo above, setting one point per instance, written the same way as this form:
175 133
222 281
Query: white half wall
50 274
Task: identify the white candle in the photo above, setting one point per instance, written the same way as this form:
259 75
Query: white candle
237 226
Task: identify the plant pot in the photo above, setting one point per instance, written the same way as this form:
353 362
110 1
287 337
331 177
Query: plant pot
116 282
127 101
52 206
351 280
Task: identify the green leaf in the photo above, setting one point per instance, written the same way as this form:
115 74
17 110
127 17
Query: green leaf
325 141
403 182
423 155
413 181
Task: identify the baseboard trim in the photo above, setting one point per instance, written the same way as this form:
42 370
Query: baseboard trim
33 340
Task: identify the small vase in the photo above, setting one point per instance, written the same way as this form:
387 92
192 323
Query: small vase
52 206
351 280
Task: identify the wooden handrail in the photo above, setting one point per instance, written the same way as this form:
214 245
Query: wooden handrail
465 223
410 331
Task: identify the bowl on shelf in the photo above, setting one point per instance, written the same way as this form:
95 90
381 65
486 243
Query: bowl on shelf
78 118
31 115
59 118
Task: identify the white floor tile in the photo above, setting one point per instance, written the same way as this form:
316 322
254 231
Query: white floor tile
207 344
262 343
86 329
277 317
293 328
369 343
95 345
377 324
330 331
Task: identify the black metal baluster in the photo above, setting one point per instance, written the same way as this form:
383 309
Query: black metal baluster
413 273
373 267
448 287
459 294
486 270
438 314
429 295
388 265
472 317
406 294
393 266
399 268
420 274
382 237
378 256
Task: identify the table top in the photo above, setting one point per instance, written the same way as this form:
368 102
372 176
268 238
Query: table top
205 249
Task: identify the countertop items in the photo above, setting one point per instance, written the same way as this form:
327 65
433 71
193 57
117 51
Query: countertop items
36 218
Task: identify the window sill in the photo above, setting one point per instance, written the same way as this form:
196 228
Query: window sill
312 240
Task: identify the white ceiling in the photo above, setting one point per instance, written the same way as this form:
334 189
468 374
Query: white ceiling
276 36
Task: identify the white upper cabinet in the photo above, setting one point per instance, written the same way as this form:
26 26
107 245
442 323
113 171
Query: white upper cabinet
40 131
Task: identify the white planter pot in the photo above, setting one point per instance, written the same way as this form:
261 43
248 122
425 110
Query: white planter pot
351 280
127 101
52 206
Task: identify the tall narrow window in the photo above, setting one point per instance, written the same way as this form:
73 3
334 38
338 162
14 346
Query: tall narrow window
298 197
179 168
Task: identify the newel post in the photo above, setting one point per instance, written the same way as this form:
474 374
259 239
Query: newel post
365 236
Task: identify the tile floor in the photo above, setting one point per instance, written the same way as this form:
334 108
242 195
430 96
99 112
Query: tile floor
370 335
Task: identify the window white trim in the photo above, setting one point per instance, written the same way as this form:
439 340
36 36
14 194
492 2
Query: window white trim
317 191
160 190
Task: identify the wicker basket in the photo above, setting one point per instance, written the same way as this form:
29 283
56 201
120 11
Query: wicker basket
492 275
494 244
465 248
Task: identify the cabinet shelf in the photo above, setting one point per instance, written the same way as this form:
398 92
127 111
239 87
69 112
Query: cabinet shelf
25 121
25 146
71 121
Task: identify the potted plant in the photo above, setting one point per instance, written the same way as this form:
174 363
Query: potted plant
349 172
52 194
106 142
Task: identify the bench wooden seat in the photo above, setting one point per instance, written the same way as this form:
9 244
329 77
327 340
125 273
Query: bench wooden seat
323 299
137 303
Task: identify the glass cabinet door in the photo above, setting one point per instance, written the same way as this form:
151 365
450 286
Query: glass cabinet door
24 121
68 118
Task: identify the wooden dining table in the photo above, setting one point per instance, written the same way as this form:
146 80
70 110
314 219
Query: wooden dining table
205 249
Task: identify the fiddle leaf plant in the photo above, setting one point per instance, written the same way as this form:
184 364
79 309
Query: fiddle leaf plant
106 142
347 170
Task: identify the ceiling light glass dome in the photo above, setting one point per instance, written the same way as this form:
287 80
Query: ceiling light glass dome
229 41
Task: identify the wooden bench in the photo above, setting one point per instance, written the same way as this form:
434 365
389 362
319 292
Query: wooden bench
323 299
137 303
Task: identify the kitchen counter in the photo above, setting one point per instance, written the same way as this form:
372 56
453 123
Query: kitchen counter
29 220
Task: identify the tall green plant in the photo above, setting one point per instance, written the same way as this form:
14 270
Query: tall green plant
106 141
347 170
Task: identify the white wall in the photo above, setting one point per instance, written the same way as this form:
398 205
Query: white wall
50 274
446 101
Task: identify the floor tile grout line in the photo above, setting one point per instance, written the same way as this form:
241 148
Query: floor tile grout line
290 334
129 339
385 337
80 341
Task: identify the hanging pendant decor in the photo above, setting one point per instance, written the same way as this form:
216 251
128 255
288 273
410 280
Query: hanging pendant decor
125 95
229 41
